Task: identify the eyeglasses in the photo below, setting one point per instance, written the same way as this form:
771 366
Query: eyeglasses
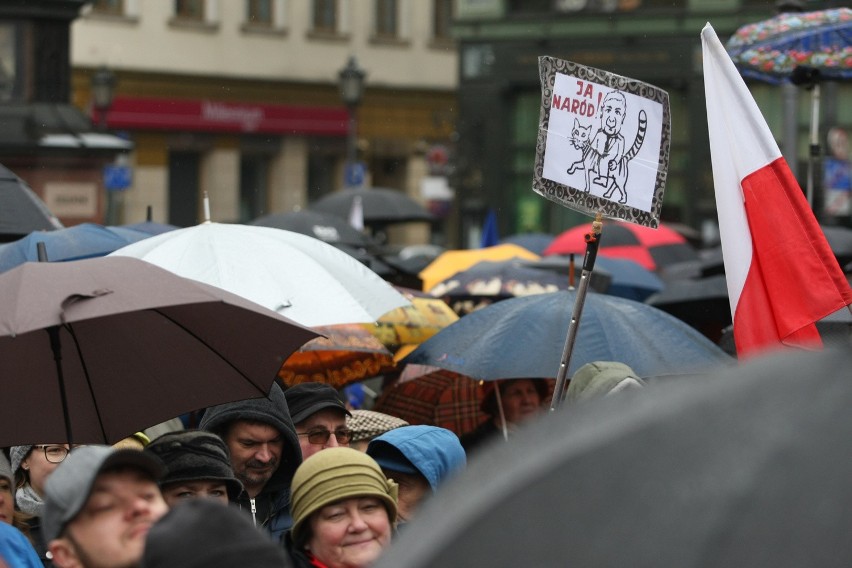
321 436
54 454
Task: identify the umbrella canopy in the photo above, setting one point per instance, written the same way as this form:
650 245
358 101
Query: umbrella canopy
85 240
21 210
749 467
533 242
771 49
626 278
326 227
702 303
381 205
438 398
525 337
303 278
413 324
651 248
452 261
348 353
138 345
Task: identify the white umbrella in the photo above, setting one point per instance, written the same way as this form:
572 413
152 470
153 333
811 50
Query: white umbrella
303 278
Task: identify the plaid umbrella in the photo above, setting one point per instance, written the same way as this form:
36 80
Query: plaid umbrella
651 248
349 353
438 398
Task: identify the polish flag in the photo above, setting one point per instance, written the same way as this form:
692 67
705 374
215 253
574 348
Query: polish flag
782 276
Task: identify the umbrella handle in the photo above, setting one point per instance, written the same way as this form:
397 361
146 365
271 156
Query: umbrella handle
56 347
593 240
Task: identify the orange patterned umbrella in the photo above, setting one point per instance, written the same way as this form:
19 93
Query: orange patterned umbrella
348 354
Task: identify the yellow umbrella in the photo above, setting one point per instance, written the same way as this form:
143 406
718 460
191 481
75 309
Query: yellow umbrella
414 324
452 261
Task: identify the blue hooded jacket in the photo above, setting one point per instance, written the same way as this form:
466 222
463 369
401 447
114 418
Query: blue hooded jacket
433 452
15 550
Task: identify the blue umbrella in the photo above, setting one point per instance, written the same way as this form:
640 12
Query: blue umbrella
86 240
525 337
533 242
628 279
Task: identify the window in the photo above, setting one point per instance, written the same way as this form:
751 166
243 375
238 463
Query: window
108 7
325 16
260 13
442 19
190 10
387 18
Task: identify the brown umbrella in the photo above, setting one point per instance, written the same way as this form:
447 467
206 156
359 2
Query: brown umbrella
105 347
438 398
347 354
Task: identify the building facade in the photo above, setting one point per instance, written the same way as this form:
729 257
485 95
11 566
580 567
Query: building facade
240 100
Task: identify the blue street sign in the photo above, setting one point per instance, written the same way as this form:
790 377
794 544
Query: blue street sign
117 177
354 174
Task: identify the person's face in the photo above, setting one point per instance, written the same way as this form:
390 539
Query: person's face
412 490
612 115
520 401
174 493
327 419
110 530
38 467
350 533
7 501
255 453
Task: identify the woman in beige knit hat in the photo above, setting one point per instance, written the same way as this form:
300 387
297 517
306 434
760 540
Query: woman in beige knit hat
344 510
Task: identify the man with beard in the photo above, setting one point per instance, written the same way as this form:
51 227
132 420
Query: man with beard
99 505
264 452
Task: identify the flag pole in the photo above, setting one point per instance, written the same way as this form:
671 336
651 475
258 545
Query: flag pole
593 240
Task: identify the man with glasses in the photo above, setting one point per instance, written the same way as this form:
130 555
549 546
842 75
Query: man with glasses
264 452
320 417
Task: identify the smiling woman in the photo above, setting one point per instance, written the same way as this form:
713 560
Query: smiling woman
344 510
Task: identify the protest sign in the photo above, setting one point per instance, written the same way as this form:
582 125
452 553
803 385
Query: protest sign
603 142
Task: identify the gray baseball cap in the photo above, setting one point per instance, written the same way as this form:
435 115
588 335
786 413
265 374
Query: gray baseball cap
68 487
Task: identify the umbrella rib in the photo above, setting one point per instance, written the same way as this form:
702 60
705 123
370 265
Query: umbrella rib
70 329
211 349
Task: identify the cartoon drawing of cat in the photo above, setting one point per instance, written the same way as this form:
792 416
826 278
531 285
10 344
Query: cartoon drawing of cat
580 136
605 160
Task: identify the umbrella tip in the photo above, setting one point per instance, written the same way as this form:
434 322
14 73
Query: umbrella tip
149 214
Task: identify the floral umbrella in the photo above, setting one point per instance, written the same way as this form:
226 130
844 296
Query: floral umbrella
404 328
769 50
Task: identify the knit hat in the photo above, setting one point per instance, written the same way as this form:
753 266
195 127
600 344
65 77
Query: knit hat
68 487
430 451
200 533
6 469
332 475
489 399
600 378
367 424
272 410
17 454
192 455
306 399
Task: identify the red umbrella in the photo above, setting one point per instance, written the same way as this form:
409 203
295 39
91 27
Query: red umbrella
652 248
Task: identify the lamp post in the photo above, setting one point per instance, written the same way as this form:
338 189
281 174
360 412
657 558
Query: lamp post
103 91
351 82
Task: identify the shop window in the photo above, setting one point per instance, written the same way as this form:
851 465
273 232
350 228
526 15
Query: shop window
184 183
254 184
9 79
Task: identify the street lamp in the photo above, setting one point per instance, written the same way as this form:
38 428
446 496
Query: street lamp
103 91
351 84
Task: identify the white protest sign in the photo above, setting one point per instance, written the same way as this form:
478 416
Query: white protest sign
603 142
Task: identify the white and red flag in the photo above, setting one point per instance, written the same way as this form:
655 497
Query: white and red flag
782 276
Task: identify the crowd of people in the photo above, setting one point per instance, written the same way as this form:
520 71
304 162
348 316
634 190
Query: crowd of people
297 478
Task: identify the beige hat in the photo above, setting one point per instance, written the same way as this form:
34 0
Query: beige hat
332 475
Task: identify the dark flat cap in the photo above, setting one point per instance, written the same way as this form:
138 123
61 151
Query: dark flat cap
306 399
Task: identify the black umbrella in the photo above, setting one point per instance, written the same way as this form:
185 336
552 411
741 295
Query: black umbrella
702 303
748 467
381 206
327 227
21 210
